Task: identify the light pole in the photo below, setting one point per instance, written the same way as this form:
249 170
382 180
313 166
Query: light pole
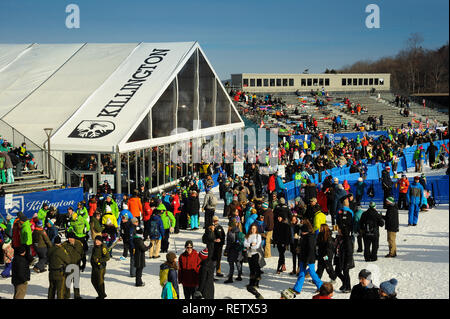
48 131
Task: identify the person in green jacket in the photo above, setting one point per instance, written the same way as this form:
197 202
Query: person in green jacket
114 208
80 227
99 257
169 224
77 257
82 211
42 213
26 237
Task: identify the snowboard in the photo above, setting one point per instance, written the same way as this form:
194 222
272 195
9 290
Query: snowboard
254 291
288 294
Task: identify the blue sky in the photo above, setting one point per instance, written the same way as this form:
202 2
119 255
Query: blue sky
285 36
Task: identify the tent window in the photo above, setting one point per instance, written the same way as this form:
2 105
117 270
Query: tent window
278 82
186 88
327 82
321 82
291 82
376 81
252 82
366 81
258 82
245 82
272 82
344 82
370 81
381 82
360 81
206 90
309 82
303 82
266 82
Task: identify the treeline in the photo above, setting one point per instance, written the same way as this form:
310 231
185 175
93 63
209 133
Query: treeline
413 70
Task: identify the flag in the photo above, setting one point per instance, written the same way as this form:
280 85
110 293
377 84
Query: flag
262 123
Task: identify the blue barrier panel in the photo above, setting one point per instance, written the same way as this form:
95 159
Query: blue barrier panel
338 136
30 203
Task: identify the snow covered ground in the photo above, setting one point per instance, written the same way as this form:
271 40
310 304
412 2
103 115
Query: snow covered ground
421 266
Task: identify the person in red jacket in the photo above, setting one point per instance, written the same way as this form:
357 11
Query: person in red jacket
403 186
92 206
188 270
325 291
271 185
146 214
176 210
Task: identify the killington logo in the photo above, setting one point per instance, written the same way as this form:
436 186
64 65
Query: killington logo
93 129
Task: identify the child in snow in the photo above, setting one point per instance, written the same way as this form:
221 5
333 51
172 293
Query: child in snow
325 291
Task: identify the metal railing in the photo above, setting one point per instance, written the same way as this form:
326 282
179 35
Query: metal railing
40 155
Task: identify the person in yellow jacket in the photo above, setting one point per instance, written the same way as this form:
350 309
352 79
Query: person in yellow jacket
319 219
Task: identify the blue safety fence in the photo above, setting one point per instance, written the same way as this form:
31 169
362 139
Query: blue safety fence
438 185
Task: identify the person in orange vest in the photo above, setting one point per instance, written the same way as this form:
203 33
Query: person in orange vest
403 186
135 205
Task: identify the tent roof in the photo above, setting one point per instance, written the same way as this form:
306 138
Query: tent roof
73 88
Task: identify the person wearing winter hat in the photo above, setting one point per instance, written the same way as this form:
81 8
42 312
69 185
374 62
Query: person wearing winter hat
41 243
168 277
387 289
392 226
20 272
403 186
365 290
206 276
99 258
8 253
369 224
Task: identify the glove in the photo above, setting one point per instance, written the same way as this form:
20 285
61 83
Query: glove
171 230
325 258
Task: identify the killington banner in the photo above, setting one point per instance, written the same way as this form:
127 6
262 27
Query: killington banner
338 136
30 203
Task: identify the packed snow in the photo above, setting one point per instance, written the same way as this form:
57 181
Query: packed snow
421 266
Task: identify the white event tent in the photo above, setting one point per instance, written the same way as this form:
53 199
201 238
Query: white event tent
124 103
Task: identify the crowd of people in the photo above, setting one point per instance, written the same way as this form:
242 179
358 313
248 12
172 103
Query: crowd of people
258 216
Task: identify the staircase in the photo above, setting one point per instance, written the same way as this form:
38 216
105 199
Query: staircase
31 181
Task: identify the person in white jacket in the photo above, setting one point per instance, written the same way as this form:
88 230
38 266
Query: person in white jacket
253 244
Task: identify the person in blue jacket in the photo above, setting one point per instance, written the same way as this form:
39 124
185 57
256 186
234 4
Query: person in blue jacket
279 185
415 199
156 237
251 219
122 213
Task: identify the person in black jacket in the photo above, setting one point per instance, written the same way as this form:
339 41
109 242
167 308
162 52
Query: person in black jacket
206 276
294 245
392 225
431 152
139 255
282 238
369 225
343 259
365 290
307 257
20 273
386 184
310 190
219 241
193 209
325 253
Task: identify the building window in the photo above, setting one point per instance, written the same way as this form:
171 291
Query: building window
344 82
327 82
315 82
360 81
245 82
252 82
366 81
309 82
303 82
258 82
376 81
320 82
266 82
278 82
355 81
285 82
370 81
381 82
291 82
272 82
349 81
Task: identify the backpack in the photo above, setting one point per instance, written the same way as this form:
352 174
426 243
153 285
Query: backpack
154 229
2 162
370 227
212 202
